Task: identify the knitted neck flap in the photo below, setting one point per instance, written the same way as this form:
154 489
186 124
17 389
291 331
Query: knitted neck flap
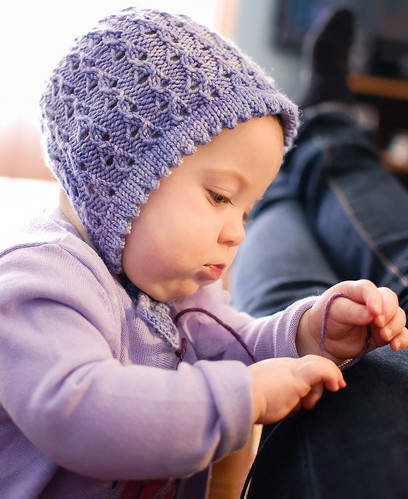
156 315
132 97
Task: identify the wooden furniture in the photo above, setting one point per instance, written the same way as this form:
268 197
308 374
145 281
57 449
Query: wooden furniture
390 98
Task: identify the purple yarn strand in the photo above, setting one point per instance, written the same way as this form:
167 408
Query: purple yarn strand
323 333
221 323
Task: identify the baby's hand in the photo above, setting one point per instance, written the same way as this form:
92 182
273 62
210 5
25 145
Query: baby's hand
362 304
281 386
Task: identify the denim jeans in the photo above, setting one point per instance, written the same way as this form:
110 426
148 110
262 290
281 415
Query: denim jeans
333 213
353 444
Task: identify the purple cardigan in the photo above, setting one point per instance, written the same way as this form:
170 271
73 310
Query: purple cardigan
90 393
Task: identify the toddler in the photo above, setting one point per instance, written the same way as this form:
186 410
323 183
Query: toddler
123 370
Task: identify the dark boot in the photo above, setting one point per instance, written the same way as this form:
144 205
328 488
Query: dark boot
325 52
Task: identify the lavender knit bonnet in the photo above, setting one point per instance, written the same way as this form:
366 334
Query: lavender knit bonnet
135 95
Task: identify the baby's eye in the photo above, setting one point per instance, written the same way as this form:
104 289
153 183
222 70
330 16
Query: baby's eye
219 198
246 218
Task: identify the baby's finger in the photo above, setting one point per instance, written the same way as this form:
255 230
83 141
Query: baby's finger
314 369
315 394
346 311
394 326
389 307
400 341
365 291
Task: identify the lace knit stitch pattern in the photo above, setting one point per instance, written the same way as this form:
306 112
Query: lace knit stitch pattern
132 97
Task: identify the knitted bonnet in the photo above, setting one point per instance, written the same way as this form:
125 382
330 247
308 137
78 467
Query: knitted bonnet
132 97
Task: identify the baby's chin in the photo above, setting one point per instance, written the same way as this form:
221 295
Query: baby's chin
172 293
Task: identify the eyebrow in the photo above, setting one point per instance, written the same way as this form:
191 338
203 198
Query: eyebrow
234 173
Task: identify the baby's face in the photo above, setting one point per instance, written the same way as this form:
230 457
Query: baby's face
188 232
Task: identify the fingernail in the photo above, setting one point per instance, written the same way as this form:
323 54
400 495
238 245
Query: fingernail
388 333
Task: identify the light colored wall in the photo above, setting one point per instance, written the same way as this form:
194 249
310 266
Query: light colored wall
254 34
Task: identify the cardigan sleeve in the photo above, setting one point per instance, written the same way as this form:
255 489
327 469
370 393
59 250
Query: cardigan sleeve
66 391
265 337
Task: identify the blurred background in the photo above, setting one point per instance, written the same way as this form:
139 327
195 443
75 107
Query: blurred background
35 34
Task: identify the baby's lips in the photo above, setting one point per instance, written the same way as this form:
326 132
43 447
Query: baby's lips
215 271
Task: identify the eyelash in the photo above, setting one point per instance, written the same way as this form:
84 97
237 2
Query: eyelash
220 199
